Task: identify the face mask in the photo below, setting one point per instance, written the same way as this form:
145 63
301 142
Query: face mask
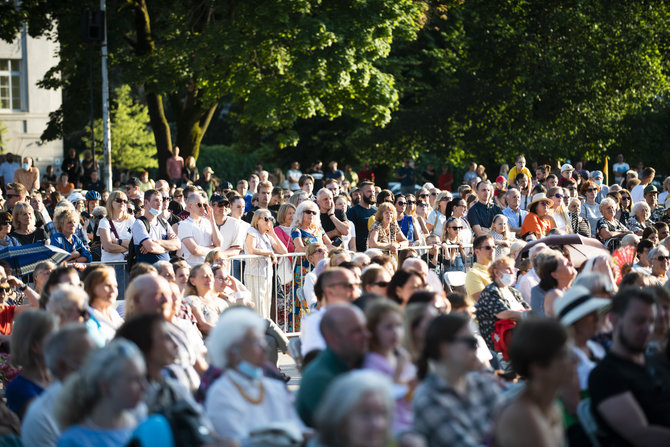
154 212
598 182
507 279
249 370
26 166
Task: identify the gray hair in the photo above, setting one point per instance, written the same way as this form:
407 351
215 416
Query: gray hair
637 206
607 201
595 282
57 345
65 297
654 251
300 211
230 331
160 265
342 397
82 390
322 192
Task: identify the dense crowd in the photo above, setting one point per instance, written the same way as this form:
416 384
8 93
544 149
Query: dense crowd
529 310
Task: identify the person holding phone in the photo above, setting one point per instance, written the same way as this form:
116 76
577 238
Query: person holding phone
198 233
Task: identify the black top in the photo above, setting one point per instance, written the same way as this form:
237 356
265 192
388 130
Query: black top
483 215
616 375
24 239
360 216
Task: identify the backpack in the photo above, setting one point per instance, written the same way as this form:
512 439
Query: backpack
501 336
131 258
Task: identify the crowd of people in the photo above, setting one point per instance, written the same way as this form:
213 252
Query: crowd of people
431 313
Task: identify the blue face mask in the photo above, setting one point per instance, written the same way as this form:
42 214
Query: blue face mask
26 166
154 212
598 181
249 370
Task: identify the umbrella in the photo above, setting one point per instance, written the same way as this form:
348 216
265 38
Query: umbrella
579 248
24 258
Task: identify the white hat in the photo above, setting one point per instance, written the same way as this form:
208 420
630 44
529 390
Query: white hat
541 197
75 197
577 303
567 167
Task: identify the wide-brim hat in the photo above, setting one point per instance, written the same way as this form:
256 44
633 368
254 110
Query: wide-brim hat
540 197
577 303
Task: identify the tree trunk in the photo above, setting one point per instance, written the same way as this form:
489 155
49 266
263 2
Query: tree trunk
192 122
161 129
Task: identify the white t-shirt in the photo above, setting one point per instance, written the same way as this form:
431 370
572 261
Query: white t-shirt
295 173
637 194
107 327
201 232
123 229
620 170
233 232
437 219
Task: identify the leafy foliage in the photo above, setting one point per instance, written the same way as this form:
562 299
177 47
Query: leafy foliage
132 140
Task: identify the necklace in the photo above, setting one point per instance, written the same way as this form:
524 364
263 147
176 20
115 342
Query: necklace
246 397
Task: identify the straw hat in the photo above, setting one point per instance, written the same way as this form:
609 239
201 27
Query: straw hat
540 197
577 303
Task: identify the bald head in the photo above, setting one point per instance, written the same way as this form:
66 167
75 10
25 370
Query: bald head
417 264
343 328
148 293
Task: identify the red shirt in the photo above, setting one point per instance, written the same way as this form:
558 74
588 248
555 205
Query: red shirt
365 174
443 181
7 319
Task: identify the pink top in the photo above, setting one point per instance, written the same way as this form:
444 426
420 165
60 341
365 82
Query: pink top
285 239
174 166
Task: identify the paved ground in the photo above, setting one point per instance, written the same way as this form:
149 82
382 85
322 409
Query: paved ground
287 365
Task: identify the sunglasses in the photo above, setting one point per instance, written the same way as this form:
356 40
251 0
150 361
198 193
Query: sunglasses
200 204
179 196
423 195
625 198
166 199
118 200
470 342
131 210
591 189
559 196
402 203
312 212
11 196
445 199
456 228
128 188
422 204
486 247
663 258
381 283
268 219
433 193
411 202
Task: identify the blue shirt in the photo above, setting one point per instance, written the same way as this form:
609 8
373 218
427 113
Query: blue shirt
407 227
514 219
78 436
409 176
20 391
59 240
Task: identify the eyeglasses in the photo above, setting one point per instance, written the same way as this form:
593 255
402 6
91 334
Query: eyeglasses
178 196
486 247
445 199
381 283
166 199
663 258
131 210
421 204
312 212
128 188
626 198
423 195
456 228
119 200
200 204
402 203
470 342
433 193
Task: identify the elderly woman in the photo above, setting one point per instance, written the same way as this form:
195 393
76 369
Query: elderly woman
262 241
639 219
31 329
241 400
385 232
578 224
66 222
538 222
23 219
590 208
41 274
115 229
5 227
356 411
100 285
438 216
201 295
499 300
607 226
97 402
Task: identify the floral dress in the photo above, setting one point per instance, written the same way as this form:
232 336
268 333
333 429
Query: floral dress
302 268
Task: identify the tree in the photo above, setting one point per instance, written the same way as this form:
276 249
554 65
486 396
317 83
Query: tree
132 140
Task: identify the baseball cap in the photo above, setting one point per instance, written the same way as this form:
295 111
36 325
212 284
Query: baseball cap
597 174
216 198
650 188
567 167
501 179
208 169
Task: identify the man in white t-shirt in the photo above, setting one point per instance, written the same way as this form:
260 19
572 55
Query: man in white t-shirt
637 194
293 176
198 233
233 229
619 168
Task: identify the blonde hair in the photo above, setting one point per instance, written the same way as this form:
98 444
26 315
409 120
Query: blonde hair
379 215
30 328
64 215
18 208
110 200
258 214
499 263
300 213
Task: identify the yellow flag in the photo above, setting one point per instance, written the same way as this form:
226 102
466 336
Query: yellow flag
606 171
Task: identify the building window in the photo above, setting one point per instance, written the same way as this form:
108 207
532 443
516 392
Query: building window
10 84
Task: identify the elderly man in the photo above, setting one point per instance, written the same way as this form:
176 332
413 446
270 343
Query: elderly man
514 214
343 328
332 287
64 353
629 395
150 293
651 197
659 258
481 215
198 233
334 226
152 236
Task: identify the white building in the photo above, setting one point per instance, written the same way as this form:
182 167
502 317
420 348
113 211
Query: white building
24 107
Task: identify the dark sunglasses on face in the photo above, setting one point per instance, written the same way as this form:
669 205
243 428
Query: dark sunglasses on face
268 219
11 196
221 204
423 195
411 202
559 196
119 200
178 196
381 283
663 258
456 228
312 212
131 210
402 203
486 247
591 189
200 204
166 199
